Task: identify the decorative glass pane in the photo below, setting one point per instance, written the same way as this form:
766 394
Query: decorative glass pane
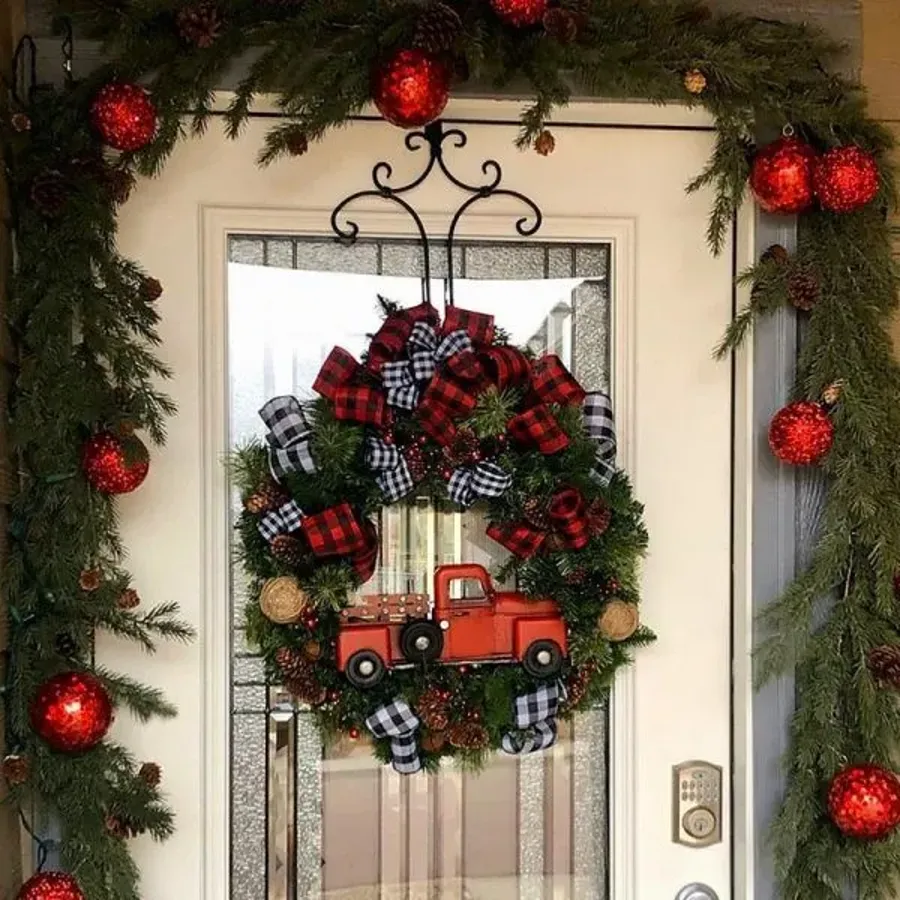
331 823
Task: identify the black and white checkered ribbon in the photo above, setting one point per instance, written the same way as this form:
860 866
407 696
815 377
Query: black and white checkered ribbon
601 427
395 720
469 483
393 477
288 437
404 379
535 714
287 518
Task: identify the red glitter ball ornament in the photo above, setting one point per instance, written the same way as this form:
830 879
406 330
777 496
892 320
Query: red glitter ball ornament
520 13
72 712
801 433
411 88
113 464
845 179
50 886
124 116
864 801
782 176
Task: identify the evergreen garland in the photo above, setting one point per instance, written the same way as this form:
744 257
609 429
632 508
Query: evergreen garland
84 334
316 57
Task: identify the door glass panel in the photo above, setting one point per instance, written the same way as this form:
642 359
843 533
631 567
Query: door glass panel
330 823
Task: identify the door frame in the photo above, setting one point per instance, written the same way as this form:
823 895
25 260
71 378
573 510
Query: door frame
218 222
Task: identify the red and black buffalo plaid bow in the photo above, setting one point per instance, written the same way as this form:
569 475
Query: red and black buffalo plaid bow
569 527
334 531
391 338
340 380
364 559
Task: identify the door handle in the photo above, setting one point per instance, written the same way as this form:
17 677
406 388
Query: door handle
696 891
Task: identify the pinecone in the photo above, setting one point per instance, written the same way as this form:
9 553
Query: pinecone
576 575
832 394
884 664
150 289
694 81
90 579
292 662
307 689
268 497
151 774
296 142
777 254
312 650
287 549
544 143
438 28
468 736
199 24
65 644
803 290
693 14
431 708
537 512
49 193
123 827
599 516
128 599
15 769
119 183
20 122
561 24
576 687
433 741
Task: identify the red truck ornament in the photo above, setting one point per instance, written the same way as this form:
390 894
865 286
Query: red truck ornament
393 630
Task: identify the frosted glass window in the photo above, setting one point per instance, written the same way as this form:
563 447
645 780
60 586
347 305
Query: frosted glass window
330 823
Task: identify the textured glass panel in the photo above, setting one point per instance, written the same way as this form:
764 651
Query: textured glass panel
308 815
249 670
504 262
247 250
249 698
560 261
280 253
531 826
248 808
590 807
590 302
281 819
592 260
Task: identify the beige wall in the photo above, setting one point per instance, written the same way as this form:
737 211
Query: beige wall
881 74
11 25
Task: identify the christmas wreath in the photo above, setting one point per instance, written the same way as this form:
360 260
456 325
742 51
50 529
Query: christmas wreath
445 410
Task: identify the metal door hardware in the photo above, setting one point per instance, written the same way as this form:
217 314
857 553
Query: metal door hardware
696 804
696 891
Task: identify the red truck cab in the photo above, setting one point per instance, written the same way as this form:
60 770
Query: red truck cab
469 622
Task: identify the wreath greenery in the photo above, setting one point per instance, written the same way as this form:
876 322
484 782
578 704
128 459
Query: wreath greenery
835 621
525 452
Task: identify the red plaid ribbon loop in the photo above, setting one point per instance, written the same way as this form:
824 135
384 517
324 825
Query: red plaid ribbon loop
554 383
352 402
537 427
507 367
391 338
569 528
365 559
479 326
334 531
444 400
568 517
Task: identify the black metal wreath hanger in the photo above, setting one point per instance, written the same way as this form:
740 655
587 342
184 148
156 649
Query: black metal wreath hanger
434 137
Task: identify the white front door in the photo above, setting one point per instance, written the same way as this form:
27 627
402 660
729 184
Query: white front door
260 815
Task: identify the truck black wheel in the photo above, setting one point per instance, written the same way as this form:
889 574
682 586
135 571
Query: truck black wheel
365 669
422 642
543 659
